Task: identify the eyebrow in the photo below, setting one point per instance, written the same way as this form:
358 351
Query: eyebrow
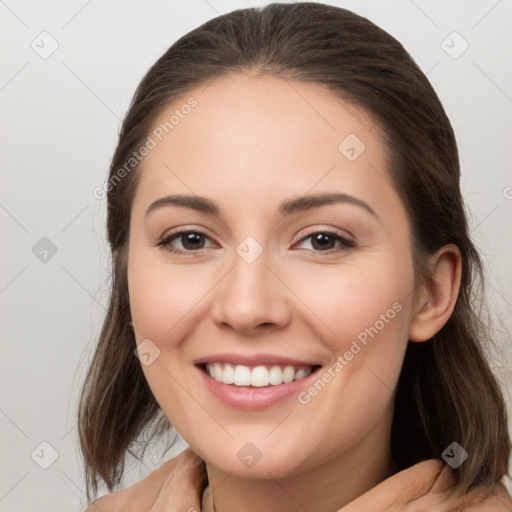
300 204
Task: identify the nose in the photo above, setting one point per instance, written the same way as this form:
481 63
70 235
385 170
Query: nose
251 298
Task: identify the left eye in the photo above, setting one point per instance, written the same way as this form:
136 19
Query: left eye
325 241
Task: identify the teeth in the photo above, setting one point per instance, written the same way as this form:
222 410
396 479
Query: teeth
275 376
257 376
300 374
217 372
242 376
288 374
228 375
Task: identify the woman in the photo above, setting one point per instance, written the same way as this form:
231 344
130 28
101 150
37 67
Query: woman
292 268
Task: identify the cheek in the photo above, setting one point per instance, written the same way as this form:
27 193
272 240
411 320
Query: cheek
163 297
162 300
364 315
358 303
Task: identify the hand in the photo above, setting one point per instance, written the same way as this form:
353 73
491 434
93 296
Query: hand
176 486
428 486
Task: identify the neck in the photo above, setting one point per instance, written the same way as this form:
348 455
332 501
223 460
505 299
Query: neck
329 487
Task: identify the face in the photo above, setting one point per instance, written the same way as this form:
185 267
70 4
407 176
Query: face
268 246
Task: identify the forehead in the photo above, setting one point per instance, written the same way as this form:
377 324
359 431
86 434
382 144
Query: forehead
258 136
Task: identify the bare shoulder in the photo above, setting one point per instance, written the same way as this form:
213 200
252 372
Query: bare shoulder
183 470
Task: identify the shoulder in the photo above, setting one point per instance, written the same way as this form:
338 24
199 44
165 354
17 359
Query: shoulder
185 471
139 496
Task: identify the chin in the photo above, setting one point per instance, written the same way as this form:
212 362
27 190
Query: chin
255 460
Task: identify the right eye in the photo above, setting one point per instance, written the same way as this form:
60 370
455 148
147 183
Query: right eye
191 241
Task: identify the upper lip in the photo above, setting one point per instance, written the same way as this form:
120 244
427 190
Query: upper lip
254 359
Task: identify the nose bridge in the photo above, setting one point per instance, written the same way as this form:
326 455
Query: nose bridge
251 295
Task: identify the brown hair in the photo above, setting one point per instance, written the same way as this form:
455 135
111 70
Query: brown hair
446 391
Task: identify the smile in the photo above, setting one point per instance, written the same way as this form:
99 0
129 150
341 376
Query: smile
260 382
257 376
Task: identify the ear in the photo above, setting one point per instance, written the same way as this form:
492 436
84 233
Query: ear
437 296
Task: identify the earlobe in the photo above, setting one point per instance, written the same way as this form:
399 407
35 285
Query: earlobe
438 295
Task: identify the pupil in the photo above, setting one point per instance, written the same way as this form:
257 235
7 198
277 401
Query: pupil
322 241
192 240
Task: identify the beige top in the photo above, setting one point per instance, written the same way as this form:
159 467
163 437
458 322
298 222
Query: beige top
180 484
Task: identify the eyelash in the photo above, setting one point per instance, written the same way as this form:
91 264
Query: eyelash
165 243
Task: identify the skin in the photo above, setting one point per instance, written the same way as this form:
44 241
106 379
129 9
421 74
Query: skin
251 143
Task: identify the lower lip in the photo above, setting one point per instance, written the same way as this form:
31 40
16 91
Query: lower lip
253 398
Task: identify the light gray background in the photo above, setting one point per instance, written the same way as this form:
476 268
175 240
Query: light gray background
60 117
